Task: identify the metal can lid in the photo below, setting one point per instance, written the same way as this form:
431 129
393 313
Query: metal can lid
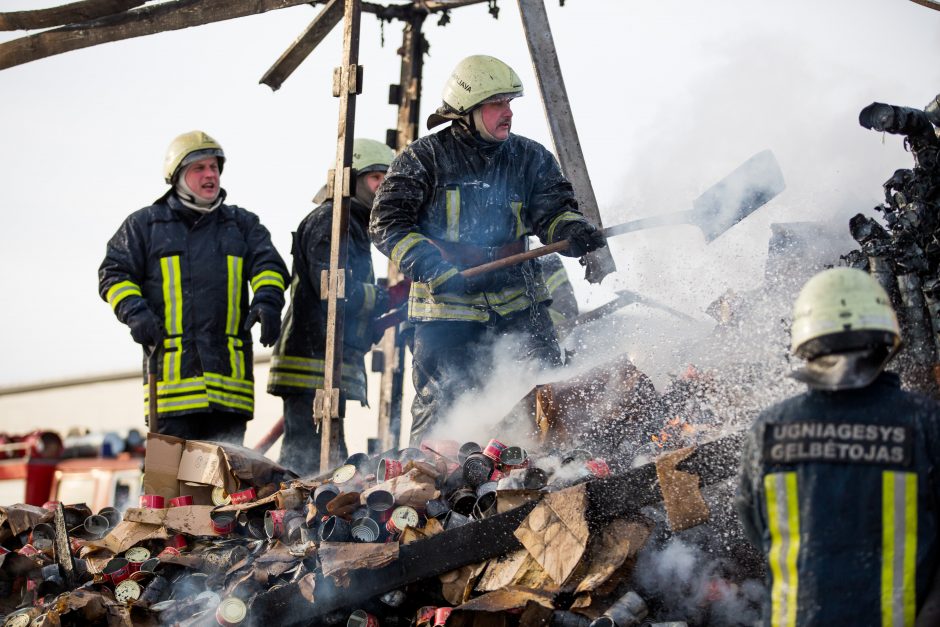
137 554
405 516
344 473
220 496
127 590
22 619
231 610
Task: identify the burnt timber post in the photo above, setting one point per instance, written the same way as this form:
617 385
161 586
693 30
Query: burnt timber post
407 95
347 83
538 35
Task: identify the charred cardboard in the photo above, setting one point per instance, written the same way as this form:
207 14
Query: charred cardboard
161 465
556 532
189 519
518 568
22 517
685 505
509 599
229 466
127 534
339 559
414 488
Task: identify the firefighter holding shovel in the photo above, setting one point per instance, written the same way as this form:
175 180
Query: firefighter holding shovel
463 196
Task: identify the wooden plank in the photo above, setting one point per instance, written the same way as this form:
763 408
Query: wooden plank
66 14
318 29
135 23
326 406
538 35
63 548
615 497
391 388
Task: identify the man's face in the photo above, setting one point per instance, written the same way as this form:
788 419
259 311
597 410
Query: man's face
374 179
497 118
203 178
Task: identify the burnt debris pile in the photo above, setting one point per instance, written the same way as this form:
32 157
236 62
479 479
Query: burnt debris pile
568 526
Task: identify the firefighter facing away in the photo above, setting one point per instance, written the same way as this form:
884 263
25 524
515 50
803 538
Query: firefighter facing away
177 273
297 367
465 195
838 485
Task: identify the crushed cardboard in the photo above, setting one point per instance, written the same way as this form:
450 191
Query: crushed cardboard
556 532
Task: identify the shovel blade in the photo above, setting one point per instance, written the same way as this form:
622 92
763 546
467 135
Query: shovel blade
755 183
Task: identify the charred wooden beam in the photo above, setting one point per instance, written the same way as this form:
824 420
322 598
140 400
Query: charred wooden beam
135 23
538 34
614 497
65 14
318 29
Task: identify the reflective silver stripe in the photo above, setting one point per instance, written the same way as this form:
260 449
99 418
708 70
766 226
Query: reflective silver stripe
267 277
172 353
899 549
219 380
236 357
783 521
120 291
452 201
437 281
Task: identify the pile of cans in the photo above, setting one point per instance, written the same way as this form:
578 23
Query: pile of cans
207 580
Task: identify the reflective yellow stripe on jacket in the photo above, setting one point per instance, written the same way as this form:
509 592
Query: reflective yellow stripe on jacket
120 291
199 392
452 206
267 277
423 305
783 521
173 317
233 314
556 280
308 374
898 548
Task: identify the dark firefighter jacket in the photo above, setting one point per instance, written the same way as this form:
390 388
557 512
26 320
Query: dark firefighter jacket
298 361
454 187
193 271
839 490
564 303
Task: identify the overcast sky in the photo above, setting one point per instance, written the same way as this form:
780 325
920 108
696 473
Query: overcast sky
668 97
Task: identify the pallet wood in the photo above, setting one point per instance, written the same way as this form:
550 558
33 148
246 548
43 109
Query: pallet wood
66 14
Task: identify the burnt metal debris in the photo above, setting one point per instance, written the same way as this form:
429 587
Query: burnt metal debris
905 256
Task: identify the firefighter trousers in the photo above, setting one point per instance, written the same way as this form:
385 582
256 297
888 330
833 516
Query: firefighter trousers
453 357
300 448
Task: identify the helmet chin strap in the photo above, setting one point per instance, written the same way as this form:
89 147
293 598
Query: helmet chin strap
191 200
475 122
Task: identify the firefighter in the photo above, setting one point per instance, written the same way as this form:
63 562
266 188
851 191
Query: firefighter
177 273
298 362
837 485
564 305
465 195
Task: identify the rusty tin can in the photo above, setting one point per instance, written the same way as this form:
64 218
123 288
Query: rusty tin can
170 551
323 495
335 529
365 530
96 525
388 469
493 449
514 457
127 591
181 500
223 523
477 468
274 526
136 556
179 541
441 615
220 496
598 467
401 518
117 570
380 504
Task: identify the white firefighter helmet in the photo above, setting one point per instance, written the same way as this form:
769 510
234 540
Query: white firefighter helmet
370 155
475 80
186 149
839 310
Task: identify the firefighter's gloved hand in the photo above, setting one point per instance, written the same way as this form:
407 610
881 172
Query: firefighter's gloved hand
583 237
454 284
270 318
146 328
491 281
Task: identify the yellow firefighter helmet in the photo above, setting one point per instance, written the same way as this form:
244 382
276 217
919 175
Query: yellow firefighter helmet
186 149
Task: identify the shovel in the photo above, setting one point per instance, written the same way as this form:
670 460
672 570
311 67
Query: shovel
624 298
755 183
152 391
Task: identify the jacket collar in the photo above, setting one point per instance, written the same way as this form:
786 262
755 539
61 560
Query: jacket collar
471 139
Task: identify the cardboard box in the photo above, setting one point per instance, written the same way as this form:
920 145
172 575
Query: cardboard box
161 465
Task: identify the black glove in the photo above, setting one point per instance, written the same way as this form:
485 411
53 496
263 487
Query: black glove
583 237
491 281
270 318
146 328
455 284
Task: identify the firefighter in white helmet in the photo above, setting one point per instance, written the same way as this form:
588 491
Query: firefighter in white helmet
465 195
177 273
297 366
838 485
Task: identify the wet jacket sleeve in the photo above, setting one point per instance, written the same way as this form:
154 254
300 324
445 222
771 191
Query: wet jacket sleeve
267 271
746 502
122 272
552 204
394 227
